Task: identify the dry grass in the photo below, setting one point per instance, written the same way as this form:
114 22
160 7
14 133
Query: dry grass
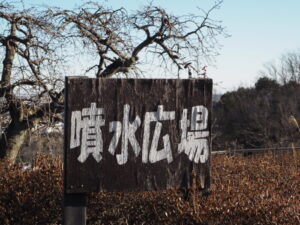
261 189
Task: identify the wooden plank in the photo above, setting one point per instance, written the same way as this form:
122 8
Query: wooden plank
125 134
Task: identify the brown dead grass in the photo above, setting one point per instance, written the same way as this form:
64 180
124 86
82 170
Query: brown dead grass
261 189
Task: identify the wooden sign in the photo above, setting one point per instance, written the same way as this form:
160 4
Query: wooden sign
136 134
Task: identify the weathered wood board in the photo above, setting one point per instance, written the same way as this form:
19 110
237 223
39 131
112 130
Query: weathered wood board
136 134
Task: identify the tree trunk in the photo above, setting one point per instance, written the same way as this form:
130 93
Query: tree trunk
15 134
12 140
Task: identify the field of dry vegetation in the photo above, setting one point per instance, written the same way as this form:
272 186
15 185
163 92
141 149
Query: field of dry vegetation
260 189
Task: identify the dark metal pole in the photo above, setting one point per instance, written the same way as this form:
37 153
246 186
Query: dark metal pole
75 209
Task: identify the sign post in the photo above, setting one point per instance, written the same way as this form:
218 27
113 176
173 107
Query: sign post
134 134
74 209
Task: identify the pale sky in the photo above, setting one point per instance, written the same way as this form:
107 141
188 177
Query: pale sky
261 31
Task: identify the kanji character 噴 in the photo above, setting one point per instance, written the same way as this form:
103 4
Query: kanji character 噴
85 131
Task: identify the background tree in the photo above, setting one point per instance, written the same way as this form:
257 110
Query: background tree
257 117
285 69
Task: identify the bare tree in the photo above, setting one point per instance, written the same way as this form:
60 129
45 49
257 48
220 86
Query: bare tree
285 69
122 40
27 44
33 42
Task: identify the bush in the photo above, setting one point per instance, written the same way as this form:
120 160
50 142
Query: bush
31 196
260 189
